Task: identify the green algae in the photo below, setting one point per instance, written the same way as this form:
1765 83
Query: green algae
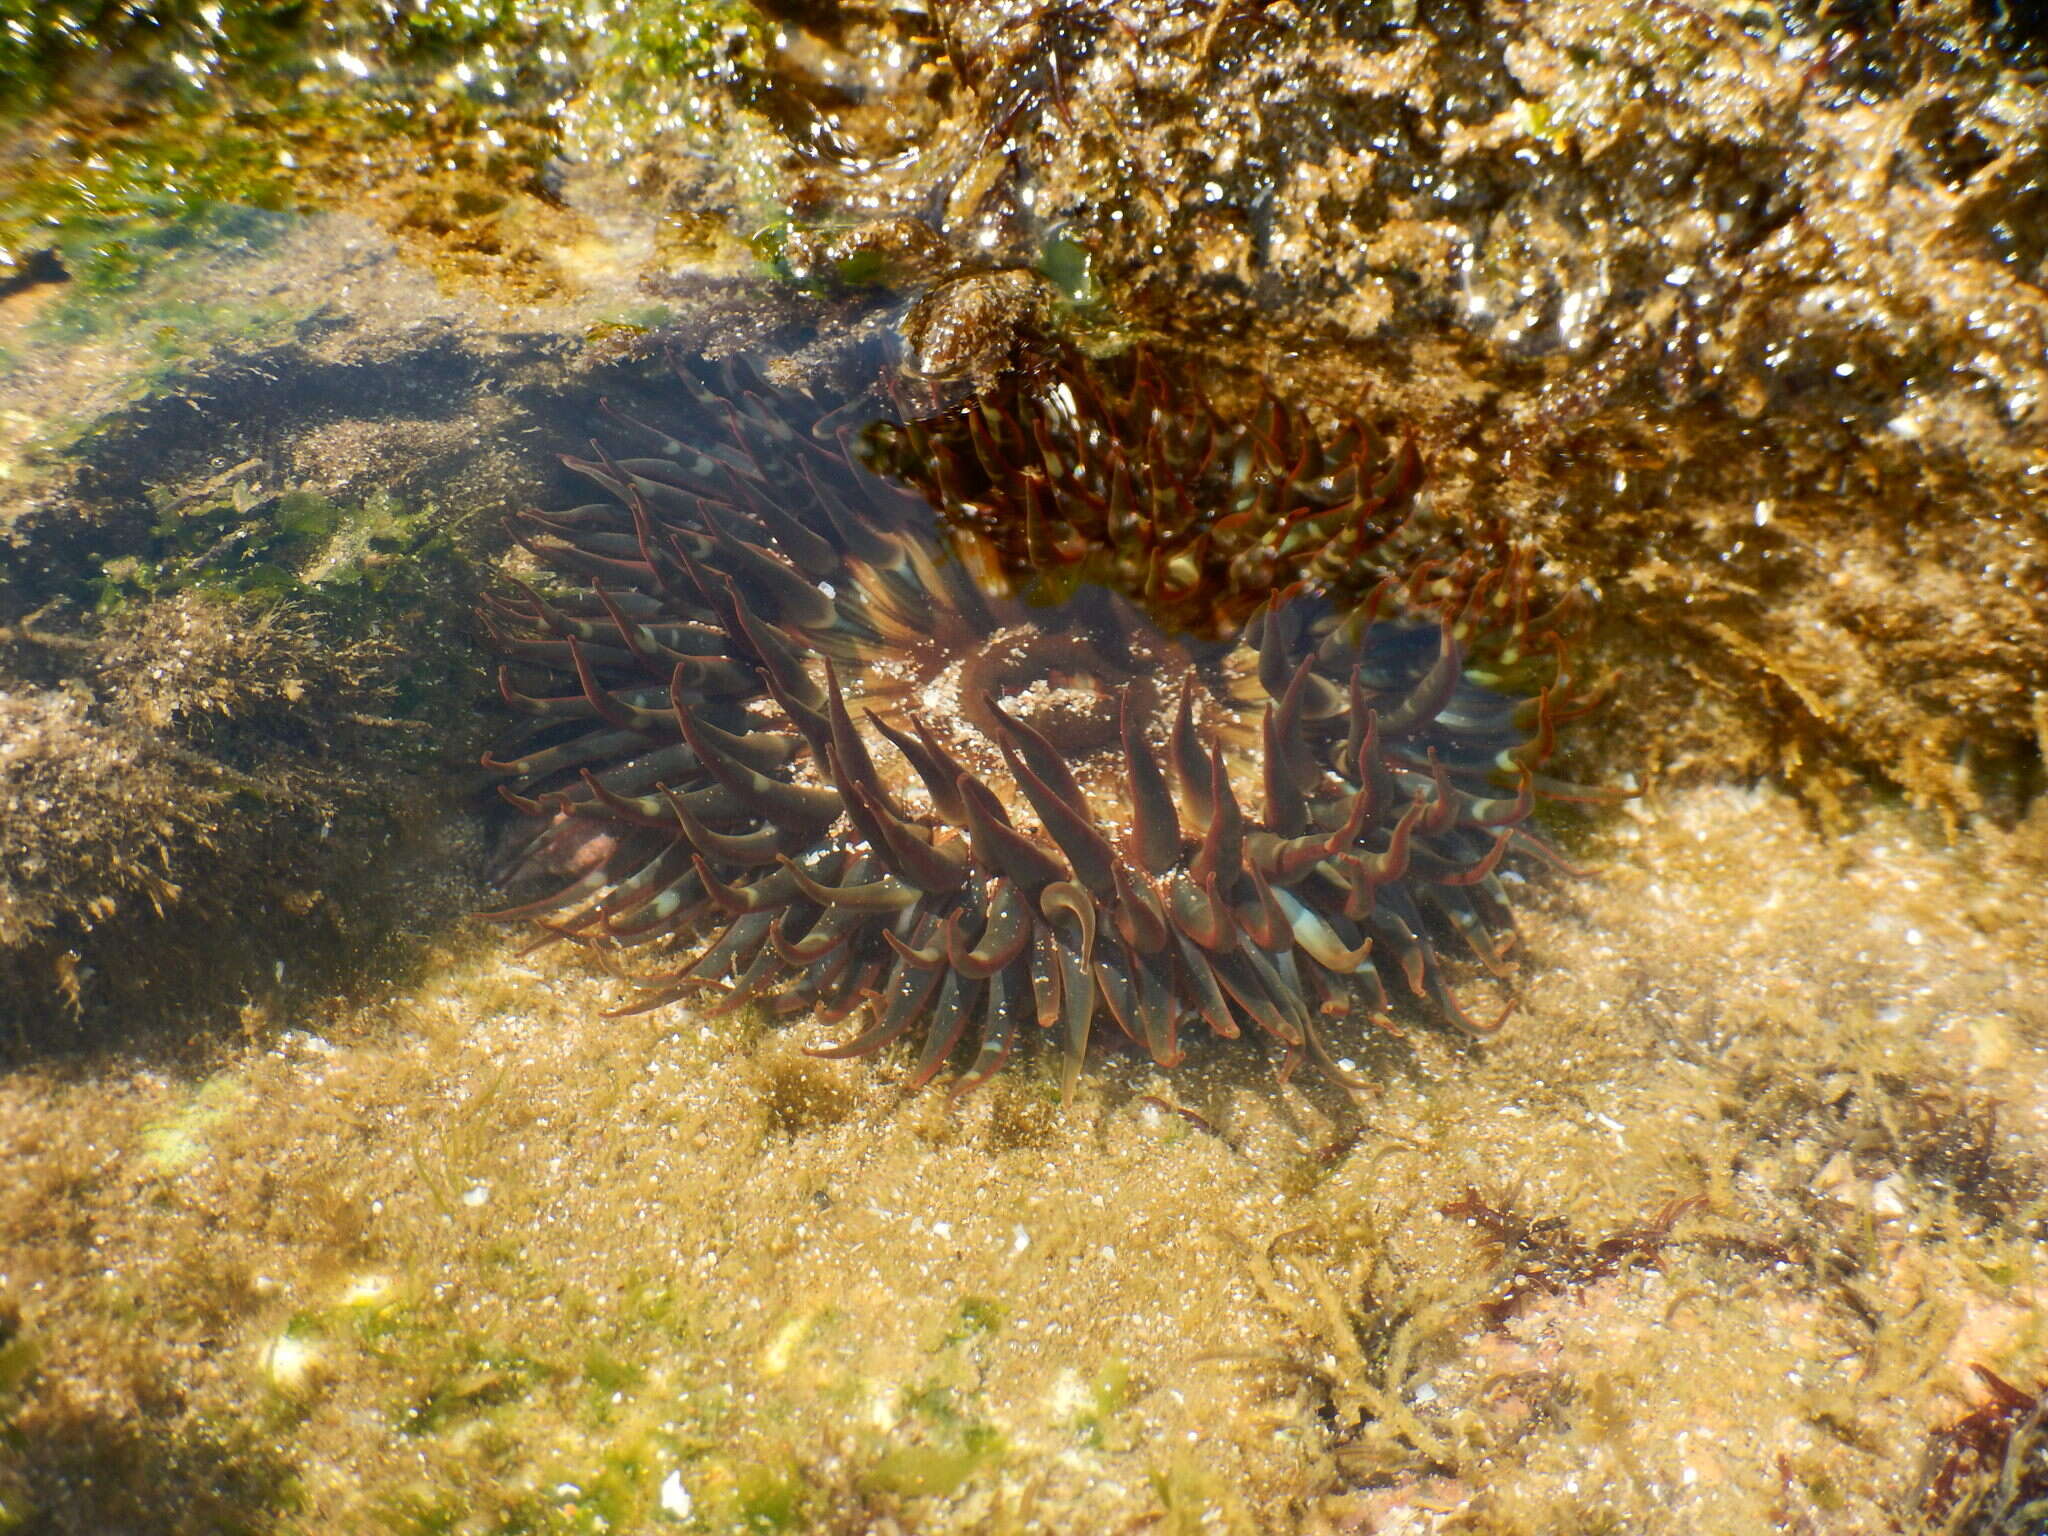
178 1140
297 544
152 275
1112 1390
112 208
975 1315
491 52
445 114
155 293
477 1376
927 1471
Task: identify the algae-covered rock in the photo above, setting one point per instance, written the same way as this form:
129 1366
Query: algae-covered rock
167 795
1716 307
210 553
1736 314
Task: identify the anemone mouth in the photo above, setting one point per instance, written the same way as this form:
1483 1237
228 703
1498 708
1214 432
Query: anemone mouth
812 745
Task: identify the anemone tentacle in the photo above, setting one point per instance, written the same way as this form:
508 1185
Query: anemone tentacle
1126 480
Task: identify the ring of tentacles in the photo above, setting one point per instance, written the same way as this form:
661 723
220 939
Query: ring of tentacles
799 735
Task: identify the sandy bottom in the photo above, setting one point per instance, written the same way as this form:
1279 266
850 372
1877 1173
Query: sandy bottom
1709 1240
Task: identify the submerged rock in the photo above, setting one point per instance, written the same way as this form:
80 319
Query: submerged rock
1739 314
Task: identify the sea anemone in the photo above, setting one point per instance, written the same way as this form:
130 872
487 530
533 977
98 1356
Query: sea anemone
1080 474
830 747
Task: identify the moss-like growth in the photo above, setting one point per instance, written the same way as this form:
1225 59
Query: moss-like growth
180 743
217 730
439 120
1712 1186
